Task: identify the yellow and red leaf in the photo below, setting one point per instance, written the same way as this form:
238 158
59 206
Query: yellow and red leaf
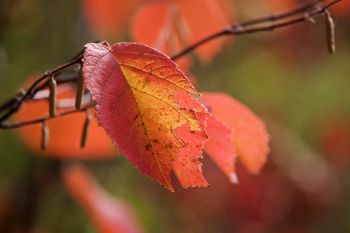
149 109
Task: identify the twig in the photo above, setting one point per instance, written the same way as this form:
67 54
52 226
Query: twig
20 98
246 27
39 120
296 15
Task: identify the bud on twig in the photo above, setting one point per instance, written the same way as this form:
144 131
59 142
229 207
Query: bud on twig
44 135
330 32
85 129
80 90
52 96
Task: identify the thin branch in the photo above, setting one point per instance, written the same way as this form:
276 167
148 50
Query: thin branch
270 18
299 14
20 98
246 27
39 120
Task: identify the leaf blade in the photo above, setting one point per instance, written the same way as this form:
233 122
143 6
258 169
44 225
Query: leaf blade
143 99
248 131
220 147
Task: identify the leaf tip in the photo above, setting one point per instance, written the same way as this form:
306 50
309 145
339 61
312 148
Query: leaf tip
233 178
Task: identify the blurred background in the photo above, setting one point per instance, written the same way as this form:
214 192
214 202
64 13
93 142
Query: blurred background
287 77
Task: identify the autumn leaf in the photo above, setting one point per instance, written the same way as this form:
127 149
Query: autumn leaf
342 9
64 132
107 18
171 25
108 214
249 135
278 6
261 200
149 109
220 147
335 137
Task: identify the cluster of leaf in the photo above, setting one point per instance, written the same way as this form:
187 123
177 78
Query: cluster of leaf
150 110
164 123
154 116
147 105
169 25
160 122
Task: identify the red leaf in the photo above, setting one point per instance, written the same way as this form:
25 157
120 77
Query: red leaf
278 5
171 25
220 147
335 138
108 18
145 104
108 214
248 131
342 9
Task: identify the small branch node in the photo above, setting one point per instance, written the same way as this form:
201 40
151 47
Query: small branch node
309 18
235 28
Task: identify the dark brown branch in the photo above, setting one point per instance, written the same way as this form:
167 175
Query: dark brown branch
20 98
246 27
39 120
296 15
270 18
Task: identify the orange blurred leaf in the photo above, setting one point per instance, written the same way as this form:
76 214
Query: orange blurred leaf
108 18
249 135
278 5
220 147
147 106
171 25
342 9
64 132
108 214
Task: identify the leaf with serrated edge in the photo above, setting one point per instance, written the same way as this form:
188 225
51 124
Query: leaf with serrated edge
148 107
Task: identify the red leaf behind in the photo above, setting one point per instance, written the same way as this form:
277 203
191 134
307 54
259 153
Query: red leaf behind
248 131
108 18
108 214
171 25
342 9
220 147
278 6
